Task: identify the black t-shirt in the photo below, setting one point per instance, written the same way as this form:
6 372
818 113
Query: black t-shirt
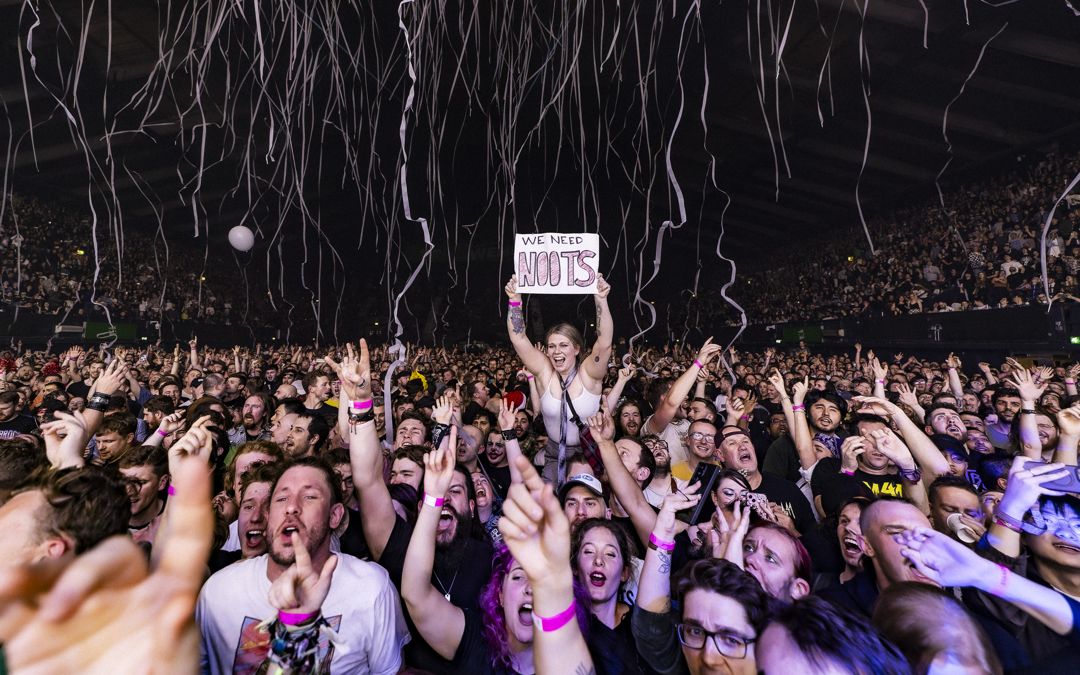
79 389
614 650
20 424
498 476
464 578
835 488
352 539
472 654
327 412
788 495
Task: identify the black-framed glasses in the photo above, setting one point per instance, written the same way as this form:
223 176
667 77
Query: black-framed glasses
726 642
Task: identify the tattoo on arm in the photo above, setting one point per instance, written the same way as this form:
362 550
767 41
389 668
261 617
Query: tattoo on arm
585 669
665 562
517 321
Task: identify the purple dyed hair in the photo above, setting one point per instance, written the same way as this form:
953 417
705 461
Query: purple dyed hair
495 631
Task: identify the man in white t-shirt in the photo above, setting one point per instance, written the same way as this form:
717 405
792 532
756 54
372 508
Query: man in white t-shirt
362 607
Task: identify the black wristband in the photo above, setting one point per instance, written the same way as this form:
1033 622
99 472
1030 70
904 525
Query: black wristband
357 418
1027 411
437 433
509 435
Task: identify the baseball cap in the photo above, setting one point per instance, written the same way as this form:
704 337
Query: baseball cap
197 382
585 480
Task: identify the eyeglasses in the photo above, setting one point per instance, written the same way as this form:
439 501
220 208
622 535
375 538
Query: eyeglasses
726 642
698 436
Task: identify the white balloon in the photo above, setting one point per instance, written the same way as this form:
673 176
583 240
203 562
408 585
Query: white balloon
241 238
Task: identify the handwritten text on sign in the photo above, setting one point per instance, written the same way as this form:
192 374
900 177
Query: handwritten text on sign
550 262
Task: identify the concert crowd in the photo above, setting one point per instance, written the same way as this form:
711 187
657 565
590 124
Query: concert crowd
546 506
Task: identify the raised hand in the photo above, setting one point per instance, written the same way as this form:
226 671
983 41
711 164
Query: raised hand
799 390
105 611
354 372
907 396
439 467
301 589
941 559
536 530
1023 380
708 352
111 377
197 443
602 426
1025 485
776 379
511 289
1069 421
443 411
65 439
172 422
850 449
507 415
734 409
880 372
673 503
602 286
735 535
895 449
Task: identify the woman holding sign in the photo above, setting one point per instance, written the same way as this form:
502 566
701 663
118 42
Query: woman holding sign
570 382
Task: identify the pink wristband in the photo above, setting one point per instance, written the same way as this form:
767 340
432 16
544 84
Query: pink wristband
880 381
668 546
171 490
291 619
847 472
797 408
554 623
529 377
434 502
515 303
161 433
698 363
361 405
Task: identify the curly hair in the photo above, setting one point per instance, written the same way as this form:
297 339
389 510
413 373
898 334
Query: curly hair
491 610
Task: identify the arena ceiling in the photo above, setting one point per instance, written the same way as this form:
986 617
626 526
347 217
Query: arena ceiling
195 116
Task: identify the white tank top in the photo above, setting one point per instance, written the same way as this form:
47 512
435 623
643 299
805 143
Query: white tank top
586 404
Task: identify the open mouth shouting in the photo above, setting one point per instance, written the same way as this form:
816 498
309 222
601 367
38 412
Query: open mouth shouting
256 538
447 519
851 546
287 531
525 615
597 579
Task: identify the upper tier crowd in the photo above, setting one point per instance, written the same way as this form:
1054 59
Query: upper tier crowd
48 262
983 252
552 507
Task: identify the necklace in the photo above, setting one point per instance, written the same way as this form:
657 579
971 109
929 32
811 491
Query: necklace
442 586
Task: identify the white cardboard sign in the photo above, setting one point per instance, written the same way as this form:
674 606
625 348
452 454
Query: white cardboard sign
556 263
